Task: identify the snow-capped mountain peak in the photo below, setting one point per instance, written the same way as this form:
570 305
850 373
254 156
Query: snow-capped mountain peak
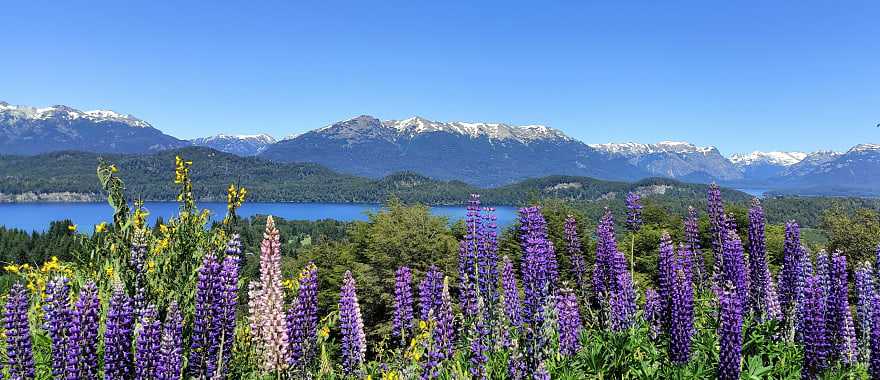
769 158
242 145
861 148
637 149
494 131
68 113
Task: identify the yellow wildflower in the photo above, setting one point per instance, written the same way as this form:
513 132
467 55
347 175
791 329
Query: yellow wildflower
113 169
108 270
51 265
11 268
151 266
325 332
100 228
71 227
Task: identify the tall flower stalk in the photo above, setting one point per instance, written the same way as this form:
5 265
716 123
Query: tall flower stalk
58 316
147 344
762 301
267 313
82 354
718 228
814 336
401 325
118 337
354 343
575 254
681 305
730 333
170 361
19 348
568 313
302 321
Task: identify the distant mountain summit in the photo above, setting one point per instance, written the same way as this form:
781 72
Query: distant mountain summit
241 145
763 165
675 159
485 154
30 130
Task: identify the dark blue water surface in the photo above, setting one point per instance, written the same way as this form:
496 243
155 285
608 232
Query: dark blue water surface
36 216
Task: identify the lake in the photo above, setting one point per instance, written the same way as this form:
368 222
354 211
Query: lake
36 216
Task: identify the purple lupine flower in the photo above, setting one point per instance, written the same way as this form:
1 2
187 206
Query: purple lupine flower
865 289
761 300
512 300
575 255
823 270
82 355
466 264
666 264
225 308
569 315
633 212
118 336
791 280
717 226
839 322
813 334
623 298
137 261
541 373
612 282
205 340
58 316
430 292
692 239
652 311
170 361
734 265
19 348
730 333
441 345
681 313
479 347
354 344
233 246
874 366
807 271
302 320
149 335
602 276
539 267
488 259
403 305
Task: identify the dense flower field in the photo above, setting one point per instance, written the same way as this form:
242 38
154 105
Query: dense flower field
170 303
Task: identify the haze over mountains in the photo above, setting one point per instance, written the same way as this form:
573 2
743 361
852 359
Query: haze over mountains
482 154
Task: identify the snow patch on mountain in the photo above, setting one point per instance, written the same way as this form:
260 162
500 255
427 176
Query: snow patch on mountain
65 112
629 149
493 131
768 158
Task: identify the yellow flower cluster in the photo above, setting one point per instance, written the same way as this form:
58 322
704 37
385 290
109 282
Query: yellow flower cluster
101 228
37 277
289 284
181 169
235 196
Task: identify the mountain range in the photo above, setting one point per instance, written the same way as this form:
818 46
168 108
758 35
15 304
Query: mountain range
480 154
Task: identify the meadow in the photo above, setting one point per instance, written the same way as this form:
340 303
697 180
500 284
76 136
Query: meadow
714 293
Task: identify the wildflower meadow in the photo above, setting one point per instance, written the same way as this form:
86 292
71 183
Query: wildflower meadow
171 302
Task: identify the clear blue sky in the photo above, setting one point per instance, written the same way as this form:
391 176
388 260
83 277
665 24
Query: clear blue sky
741 75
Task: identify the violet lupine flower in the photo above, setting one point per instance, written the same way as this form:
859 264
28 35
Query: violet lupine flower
865 287
730 333
19 348
479 346
813 334
430 293
681 323
233 247
791 279
652 311
569 315
633 212
512 300
874 366
839 317
137 261
539 267
266 304
488 260
225 309
302 321
666 264
541 373
354 344
170 361
118 336
575 255
205 334
692 239
623 298
58 316
147 344
442 343
734 266
612 282
403 305
717 226
82 356
761 296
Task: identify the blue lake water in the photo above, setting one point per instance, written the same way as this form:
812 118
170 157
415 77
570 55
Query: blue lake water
755 192
36 216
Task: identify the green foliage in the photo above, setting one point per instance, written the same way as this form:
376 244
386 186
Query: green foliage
856 234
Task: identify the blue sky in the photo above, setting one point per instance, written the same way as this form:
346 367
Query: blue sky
767 75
